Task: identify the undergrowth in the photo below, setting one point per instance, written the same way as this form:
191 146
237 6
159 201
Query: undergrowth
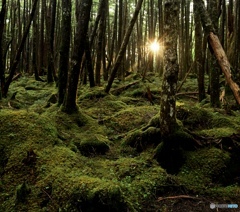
89 161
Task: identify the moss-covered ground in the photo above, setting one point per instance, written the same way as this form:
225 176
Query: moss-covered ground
106 157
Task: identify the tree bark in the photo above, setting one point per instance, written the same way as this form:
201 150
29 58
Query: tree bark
224 64
51 75
170 77
2 18
123 47
42 39
100 44
89 63
199 56
69 104
64 50
214 67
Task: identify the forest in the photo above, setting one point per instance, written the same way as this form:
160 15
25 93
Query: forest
119 105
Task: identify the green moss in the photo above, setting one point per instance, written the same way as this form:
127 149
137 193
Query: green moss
119 178
142 139
228 193
94 144
129 118
195 117
22 192
203 168
94 93
218 132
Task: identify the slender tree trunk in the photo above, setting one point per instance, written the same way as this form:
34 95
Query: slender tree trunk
51 28
64 50
114 38
2 68
89 63
199 55
160 58
34 50
100 43
170 77
123 46
42 40
214 67
120 36
69 104
237 39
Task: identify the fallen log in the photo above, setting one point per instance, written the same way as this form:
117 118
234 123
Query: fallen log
119 90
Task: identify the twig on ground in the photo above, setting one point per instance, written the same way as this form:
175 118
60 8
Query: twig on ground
177 197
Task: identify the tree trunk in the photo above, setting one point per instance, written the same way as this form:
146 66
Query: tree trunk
114 38
170 77
64 50
214 67
89 63
123 47
2 68
199 55
69 104
42 40
34 50
50 29
100 43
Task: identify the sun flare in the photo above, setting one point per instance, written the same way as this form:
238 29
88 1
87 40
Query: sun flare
154 46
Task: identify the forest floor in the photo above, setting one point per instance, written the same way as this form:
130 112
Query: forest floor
106 157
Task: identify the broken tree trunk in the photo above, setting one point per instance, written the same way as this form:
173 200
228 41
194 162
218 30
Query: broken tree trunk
217 48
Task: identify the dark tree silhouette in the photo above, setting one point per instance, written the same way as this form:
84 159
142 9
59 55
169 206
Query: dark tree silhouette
69 104
64 50
2 18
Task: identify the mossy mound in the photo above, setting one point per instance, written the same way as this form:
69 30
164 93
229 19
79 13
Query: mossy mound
84 193
40 152
204 168
93 94
29 92
141 139
92 145
194 117
208 122
129 118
